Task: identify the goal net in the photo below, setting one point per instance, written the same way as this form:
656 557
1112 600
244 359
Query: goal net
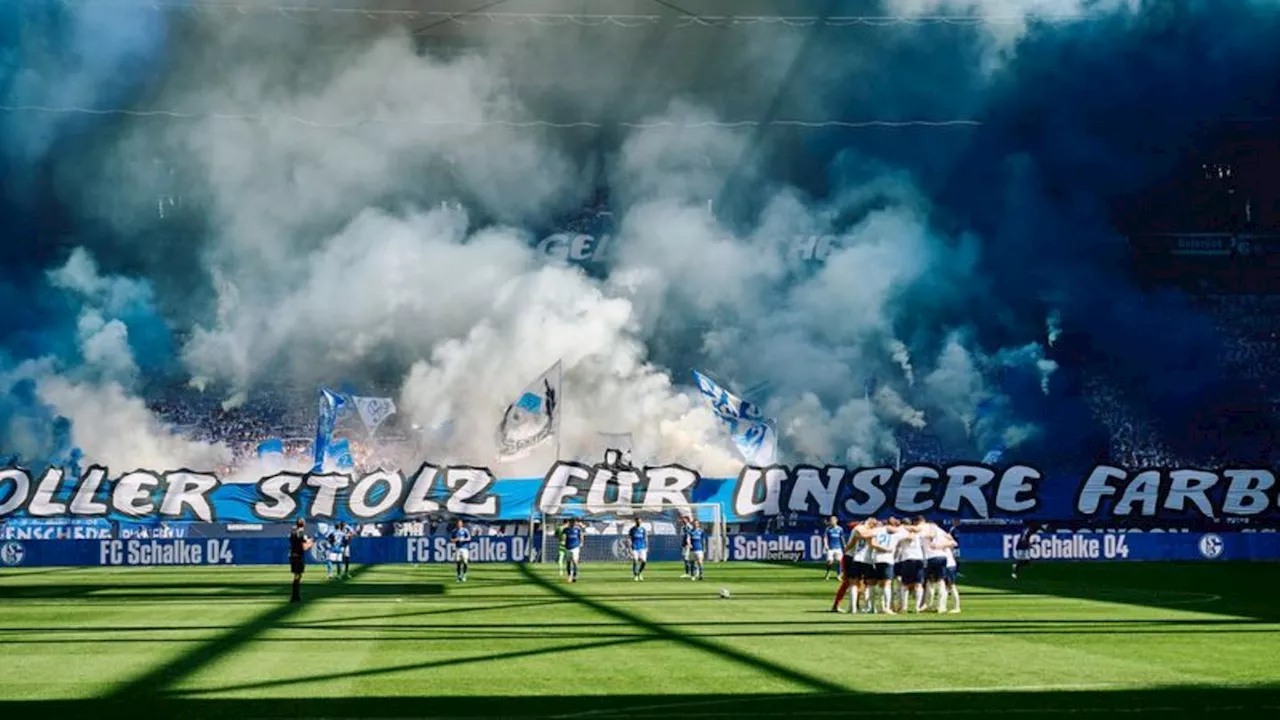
605 537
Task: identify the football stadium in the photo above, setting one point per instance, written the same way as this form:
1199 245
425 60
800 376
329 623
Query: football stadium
639 358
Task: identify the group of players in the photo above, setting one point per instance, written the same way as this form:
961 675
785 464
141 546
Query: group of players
336 546
893 567
693 542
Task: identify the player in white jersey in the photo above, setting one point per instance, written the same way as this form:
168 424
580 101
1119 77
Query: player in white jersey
949 582
884 546
910 568
855 566
937 551
864 561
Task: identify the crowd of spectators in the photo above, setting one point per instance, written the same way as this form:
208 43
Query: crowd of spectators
1249 327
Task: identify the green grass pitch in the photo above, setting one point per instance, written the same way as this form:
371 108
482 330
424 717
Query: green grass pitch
401 641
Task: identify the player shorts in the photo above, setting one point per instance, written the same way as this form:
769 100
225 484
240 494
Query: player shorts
949 575
859 570
698 555
335 556
934 569
1022 553
346 552
573 553
464 555
882 571
684 554
640 555
911 571
297 565
834 556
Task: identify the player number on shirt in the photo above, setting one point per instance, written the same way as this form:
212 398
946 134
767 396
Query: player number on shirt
1115 546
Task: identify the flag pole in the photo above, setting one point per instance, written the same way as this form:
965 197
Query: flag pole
559 401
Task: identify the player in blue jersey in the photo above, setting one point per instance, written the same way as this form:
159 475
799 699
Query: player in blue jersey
573 547
638 536
1022 551
460 538
332 553
696 540
833 542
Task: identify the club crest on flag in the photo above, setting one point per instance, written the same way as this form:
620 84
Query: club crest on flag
531 419
752 433
374 410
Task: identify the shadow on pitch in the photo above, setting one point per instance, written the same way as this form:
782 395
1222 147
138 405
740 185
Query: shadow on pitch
1192 702
665 632
1237 589
159 592
595 644
174 671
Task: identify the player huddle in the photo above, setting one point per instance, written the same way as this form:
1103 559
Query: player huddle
893 567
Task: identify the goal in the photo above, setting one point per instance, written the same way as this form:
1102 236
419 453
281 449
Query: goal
605 538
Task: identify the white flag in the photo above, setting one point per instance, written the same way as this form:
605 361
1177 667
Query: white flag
533 418
374 410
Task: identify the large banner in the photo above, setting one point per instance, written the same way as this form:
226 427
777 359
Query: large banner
245 551
975 547
968 491
1060 546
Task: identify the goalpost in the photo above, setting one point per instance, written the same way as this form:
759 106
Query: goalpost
605 536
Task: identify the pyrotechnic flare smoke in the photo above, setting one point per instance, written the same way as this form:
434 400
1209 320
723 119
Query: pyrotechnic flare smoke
351 200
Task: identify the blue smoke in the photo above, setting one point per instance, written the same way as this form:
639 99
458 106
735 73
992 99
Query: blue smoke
70 55
1087 115
1084 115
61 56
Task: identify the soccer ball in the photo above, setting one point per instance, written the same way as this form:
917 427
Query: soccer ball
724 593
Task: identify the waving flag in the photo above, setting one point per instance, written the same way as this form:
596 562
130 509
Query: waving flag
533 418
271 453
752 433
330 402
340 454
374 410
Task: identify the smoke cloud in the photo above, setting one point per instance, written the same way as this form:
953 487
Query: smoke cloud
336 198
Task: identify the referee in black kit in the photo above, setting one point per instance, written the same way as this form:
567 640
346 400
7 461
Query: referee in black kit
299 544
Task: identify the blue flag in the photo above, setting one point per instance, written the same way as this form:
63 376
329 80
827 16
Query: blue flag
74 461
327 418
270 446
340 452
752 433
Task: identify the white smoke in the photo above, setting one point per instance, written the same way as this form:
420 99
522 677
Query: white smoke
120 432
901 355
108 423
404 241
1007 21
1053 327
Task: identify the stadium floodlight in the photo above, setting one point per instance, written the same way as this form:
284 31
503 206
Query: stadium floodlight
605 538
